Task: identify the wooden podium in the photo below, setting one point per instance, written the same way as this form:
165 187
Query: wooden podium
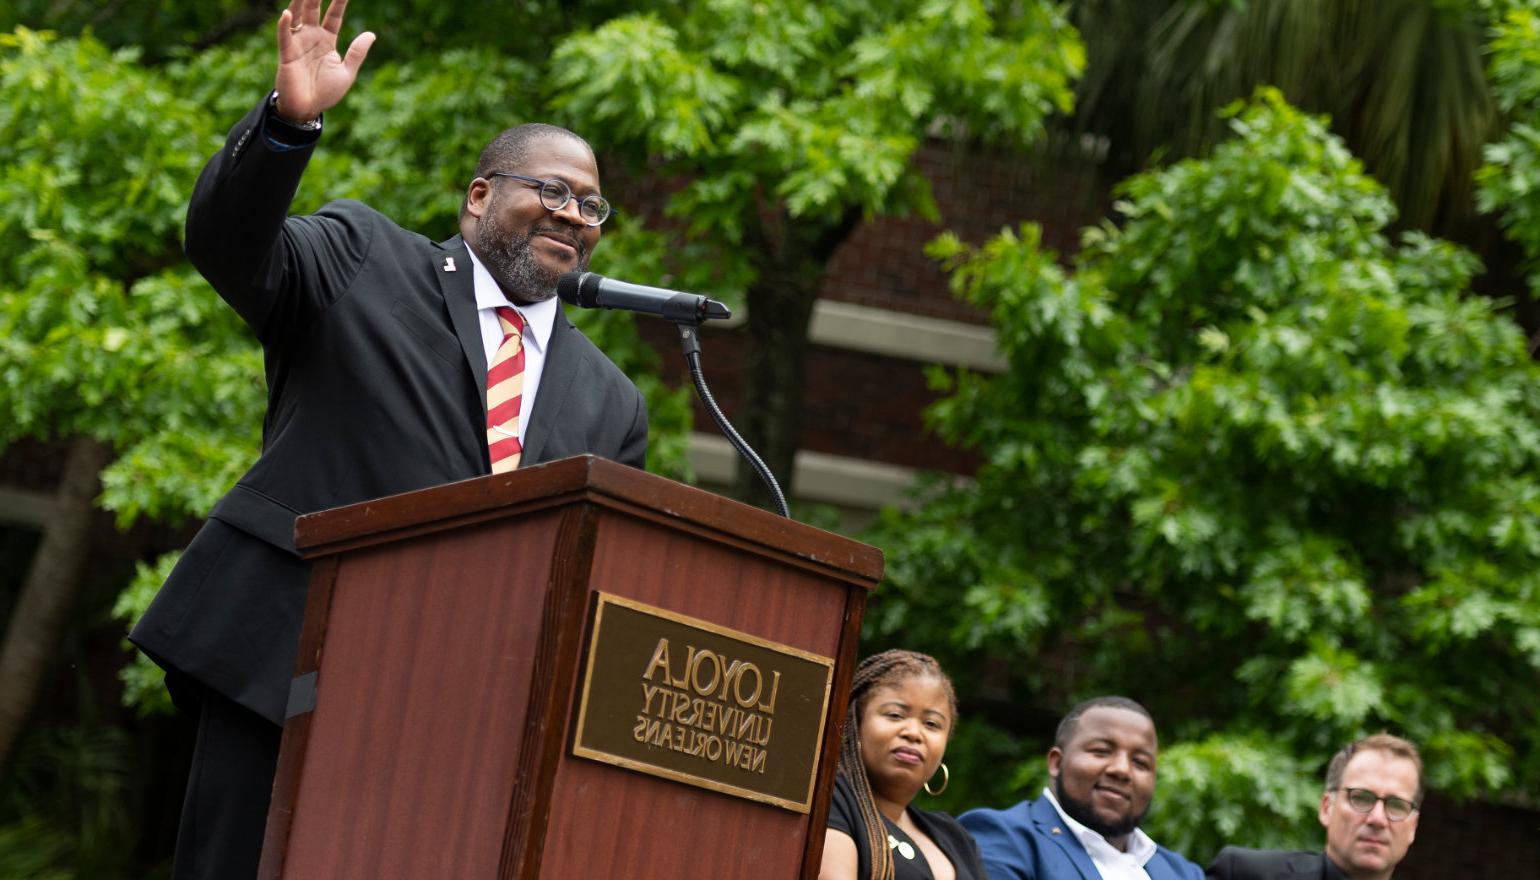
452 677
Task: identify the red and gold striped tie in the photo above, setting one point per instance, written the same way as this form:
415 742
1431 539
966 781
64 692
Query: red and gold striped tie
505 393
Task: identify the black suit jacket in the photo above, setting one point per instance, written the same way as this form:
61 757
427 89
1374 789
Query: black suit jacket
376 381
1237 863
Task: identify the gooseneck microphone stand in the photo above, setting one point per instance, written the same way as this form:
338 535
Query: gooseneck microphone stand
689 338
688 311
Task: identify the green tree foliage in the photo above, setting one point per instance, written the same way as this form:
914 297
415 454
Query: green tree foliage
171 29
1509 182
104 330
1255 464
788 125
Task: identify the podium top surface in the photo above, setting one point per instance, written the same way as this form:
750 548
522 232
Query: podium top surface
580 479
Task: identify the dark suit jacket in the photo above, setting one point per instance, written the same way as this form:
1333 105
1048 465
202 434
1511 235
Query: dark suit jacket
1029 842
1236 863
376 381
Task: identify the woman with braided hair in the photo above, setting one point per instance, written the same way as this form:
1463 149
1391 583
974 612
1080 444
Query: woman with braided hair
902 708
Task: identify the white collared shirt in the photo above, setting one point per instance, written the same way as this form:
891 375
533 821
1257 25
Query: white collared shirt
539 319
1111 862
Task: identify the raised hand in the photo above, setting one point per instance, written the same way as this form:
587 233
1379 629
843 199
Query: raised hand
312 77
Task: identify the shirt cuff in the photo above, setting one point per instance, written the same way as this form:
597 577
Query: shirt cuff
282 135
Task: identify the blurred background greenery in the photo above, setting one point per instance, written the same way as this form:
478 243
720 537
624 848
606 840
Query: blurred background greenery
1266 456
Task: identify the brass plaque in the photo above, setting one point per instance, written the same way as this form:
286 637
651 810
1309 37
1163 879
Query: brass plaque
702 704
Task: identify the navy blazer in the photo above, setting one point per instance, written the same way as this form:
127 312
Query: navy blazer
376 377
1030 842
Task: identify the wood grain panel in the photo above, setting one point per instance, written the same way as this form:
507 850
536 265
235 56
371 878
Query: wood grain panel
555 664
296 731
607 822
383 710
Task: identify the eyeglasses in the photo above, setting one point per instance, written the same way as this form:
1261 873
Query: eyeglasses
1362 800
554 195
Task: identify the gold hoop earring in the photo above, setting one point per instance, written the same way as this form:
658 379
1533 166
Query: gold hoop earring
946 779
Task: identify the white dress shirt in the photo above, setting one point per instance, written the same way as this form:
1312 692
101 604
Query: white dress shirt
539 319
1111 862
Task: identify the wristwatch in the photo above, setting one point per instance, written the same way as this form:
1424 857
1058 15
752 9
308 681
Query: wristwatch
285 130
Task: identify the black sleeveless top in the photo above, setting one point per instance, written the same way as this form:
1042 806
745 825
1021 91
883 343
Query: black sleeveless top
908 862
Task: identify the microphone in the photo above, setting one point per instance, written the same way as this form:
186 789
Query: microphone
597 292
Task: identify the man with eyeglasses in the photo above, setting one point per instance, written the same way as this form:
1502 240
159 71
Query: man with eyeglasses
1369 808
393 363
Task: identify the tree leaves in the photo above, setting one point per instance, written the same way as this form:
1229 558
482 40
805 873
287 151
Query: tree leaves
815 109
1509 182
1246 784
631 79
1255 464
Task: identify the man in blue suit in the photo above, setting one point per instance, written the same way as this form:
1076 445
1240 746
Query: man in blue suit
1086 825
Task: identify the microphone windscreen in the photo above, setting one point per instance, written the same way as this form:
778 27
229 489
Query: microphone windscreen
567 287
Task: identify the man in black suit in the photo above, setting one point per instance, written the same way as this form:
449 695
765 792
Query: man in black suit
1369 809
376 343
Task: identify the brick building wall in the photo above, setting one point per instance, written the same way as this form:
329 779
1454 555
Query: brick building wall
977 193
1470 840
856 405
870 407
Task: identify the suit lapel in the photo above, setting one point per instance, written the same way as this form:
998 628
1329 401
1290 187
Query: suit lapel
1053 827
459 288
1159 869
562 360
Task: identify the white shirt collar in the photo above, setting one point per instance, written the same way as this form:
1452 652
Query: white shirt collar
1140 847
539 317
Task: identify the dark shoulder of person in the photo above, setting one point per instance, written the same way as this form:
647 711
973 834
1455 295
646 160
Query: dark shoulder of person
1241 863
956 842
845 815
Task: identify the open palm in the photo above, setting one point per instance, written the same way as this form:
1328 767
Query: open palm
312 77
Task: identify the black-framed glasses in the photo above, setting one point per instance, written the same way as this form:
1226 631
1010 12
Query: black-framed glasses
554 195
1362 800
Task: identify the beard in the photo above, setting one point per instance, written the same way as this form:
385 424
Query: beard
1081 812
511 262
